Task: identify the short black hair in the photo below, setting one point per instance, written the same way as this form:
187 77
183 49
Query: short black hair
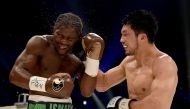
142 21
69 19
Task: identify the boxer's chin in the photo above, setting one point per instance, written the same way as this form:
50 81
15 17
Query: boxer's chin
62 51
128 53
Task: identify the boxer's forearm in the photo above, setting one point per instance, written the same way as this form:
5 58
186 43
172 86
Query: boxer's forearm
101 84
20 77
93 45
152 102
87 85
145 105
109 79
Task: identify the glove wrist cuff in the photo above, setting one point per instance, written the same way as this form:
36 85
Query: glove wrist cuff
37 83
119 102
91 67
124 103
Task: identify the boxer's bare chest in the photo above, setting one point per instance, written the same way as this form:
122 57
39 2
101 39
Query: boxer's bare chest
51 63
139 80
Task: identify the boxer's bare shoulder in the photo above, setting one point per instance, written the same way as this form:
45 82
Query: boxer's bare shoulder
128 62
37 44
164 61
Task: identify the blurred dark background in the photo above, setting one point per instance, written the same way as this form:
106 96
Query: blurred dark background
21 20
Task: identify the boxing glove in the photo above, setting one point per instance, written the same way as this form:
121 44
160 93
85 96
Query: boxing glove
119 102
93 45
59 85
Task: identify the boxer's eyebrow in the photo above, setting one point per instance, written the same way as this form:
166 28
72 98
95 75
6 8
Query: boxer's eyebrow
124 31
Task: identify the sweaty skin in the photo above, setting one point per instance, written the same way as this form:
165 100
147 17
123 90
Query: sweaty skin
151 75
49 54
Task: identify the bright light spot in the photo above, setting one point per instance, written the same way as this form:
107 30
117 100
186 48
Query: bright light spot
84 102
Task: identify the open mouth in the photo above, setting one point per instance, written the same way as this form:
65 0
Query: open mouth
125 46
62 46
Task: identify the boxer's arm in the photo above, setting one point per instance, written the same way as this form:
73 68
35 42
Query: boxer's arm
86 82
110 78
93 45
87 85
25 64
163 86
